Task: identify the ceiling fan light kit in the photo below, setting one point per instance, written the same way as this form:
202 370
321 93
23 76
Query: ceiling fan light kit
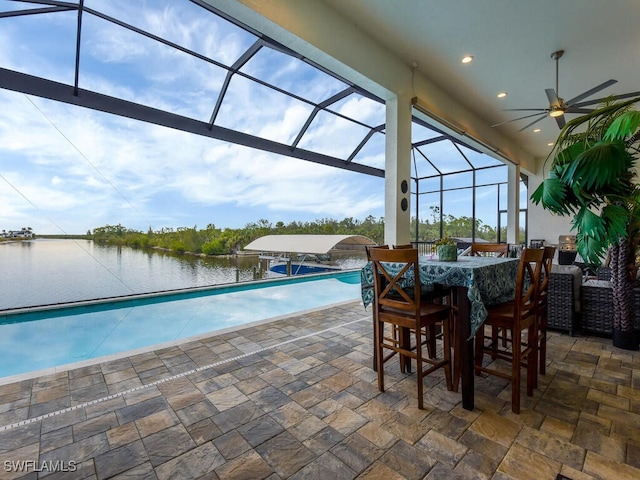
556 112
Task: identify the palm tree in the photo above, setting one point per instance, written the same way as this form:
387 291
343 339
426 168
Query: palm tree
592 178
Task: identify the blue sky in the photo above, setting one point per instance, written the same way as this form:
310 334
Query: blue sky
65 169
68 169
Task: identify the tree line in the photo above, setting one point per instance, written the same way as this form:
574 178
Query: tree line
221 241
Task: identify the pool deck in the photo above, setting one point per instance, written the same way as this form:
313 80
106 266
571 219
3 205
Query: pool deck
297 398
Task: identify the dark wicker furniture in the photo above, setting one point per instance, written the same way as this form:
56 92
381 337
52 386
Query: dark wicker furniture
597 307
563 304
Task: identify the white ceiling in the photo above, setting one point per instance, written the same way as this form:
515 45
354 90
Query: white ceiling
512 42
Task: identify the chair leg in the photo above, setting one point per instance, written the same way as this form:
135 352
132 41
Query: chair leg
404 337
446 347
478 350
380 360
532 358
419 366
515 374
431 341
543 344
495 333
375 341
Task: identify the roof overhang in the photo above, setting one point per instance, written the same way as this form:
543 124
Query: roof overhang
317 244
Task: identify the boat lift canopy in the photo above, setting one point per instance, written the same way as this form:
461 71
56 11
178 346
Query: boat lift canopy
316 244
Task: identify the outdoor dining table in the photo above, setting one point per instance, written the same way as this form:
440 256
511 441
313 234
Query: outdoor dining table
479 281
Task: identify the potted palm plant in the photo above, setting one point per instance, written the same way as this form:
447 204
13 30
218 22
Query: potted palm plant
592 178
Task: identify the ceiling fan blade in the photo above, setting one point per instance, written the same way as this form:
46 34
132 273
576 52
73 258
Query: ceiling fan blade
519 118
552 96
525 110
560 121
601 100
588 93
542 117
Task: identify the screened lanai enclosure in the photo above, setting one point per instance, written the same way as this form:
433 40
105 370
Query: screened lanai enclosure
234 85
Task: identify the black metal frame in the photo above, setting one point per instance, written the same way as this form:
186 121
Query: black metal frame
76 95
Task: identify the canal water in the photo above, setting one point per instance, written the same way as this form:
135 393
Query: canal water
50 271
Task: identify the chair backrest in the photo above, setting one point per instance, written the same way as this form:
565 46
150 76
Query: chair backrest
528 283
489 249
547 261
404 245
396 270
367 249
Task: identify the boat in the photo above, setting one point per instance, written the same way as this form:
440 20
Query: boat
304 254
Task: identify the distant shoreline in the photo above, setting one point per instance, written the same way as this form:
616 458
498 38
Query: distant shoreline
159 249
67 236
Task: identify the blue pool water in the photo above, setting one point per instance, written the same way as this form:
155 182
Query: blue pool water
44 339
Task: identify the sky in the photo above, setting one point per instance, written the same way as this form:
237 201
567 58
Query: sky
66 169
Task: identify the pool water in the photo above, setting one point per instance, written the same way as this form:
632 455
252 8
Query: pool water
54 337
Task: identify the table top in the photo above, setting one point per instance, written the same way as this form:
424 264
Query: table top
489 280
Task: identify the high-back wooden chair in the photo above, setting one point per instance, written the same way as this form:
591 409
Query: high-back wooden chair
492 250
520 317
367 249
543 301
399 305
433 293
489 249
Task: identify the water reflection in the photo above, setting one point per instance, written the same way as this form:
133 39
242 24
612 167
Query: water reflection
47 271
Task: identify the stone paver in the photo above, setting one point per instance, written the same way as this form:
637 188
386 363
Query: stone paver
276 401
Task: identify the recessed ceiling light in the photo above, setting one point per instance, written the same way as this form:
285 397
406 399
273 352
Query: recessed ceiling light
550 144
467 59
502 94
536 130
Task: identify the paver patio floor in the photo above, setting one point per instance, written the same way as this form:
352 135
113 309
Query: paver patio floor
297 398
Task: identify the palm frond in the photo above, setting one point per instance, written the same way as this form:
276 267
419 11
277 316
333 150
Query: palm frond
590 249
617 220
624 126
599 166
591 225
552 194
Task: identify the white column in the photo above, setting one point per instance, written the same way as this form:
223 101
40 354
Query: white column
513 204
397 171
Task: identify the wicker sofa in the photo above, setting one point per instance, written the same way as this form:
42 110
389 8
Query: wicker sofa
564 305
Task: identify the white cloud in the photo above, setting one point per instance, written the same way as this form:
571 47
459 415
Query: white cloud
68 168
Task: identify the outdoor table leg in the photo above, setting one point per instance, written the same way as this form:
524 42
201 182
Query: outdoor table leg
464 348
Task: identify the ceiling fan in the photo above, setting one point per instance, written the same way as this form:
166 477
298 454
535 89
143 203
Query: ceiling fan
558 106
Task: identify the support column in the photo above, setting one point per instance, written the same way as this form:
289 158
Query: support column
397 208
513 204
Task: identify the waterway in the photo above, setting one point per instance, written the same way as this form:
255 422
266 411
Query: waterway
50 271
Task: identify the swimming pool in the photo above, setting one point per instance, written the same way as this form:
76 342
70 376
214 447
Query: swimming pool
44 338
